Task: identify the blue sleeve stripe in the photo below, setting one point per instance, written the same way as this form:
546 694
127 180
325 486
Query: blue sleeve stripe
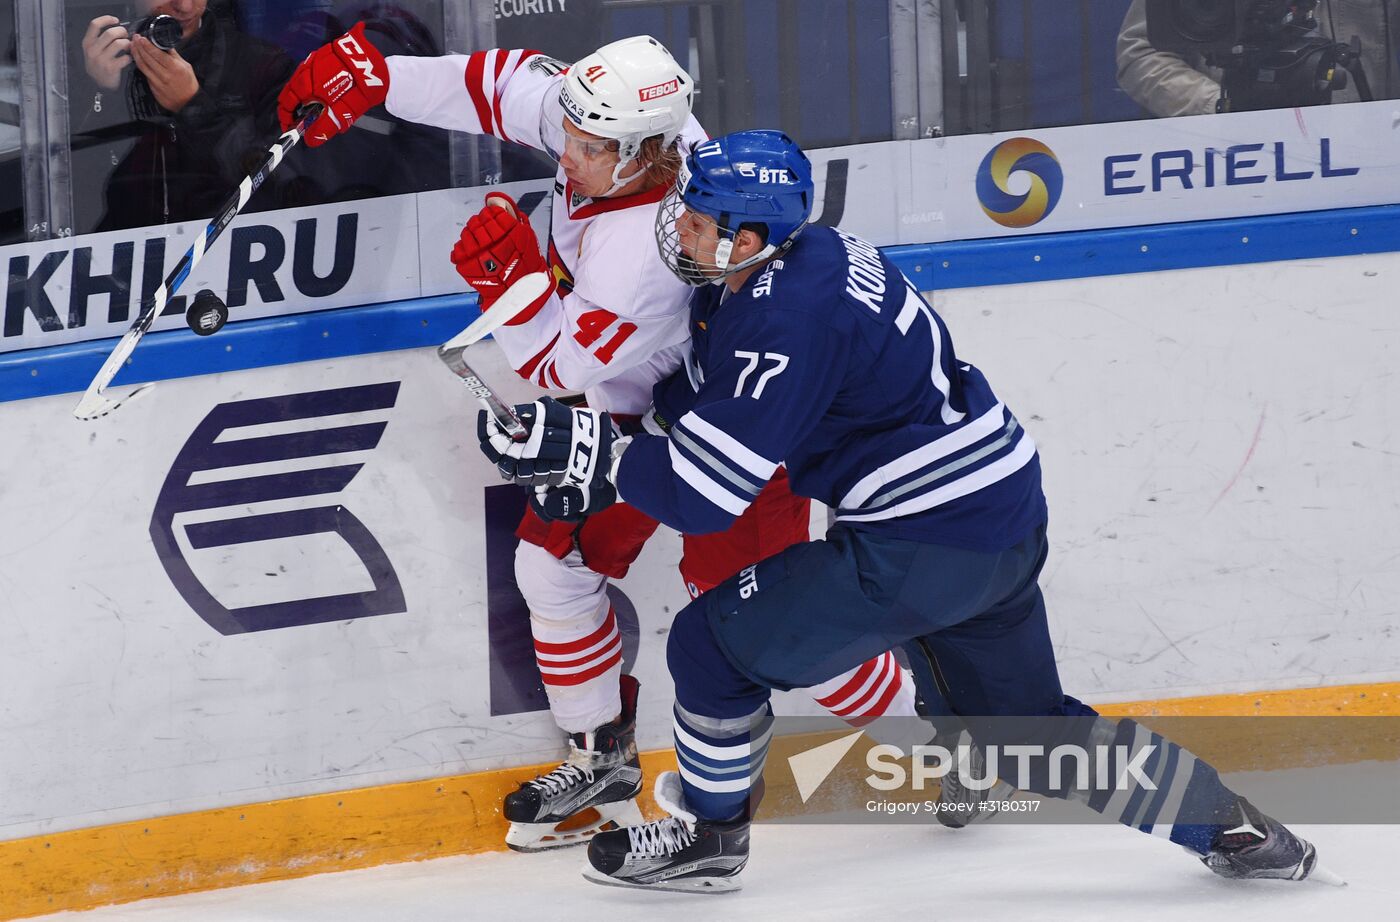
702 483
656 478
1004 439
988 424
758 468
701 456
998 469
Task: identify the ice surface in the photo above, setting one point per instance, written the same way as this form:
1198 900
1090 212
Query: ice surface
836 872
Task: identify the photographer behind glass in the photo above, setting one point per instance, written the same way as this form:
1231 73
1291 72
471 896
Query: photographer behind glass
1192 57
183 104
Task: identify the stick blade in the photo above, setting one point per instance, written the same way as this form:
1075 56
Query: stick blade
502 201
93 406
96 405
526 291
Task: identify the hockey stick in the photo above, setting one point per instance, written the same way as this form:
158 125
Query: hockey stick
94 404
526 291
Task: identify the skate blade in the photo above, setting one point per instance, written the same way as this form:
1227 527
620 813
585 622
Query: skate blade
1324 876
1001 791
684 885
543 837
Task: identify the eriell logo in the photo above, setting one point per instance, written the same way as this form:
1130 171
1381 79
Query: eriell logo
1237 165
244 497
661 89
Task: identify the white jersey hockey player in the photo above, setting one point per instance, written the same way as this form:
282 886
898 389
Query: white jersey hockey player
615 322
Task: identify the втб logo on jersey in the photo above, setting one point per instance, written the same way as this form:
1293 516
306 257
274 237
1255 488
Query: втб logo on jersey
261 555
1019 155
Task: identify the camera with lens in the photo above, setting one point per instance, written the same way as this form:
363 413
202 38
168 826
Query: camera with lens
163 31
1270 52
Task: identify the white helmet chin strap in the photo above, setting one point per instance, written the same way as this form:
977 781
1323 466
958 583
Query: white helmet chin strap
618 182
722 251
725 248
629 149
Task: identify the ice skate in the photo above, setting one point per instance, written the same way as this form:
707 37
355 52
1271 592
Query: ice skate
1258 846
681 852
960 805
594 789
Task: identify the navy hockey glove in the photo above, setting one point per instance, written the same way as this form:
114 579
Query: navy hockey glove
572 504
562 447
530 462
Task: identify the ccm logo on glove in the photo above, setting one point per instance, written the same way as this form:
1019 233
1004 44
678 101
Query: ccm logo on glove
348 77
359 59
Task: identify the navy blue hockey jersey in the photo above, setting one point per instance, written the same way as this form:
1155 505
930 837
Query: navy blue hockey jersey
829 361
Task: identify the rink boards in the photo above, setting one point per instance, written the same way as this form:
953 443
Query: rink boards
1215 443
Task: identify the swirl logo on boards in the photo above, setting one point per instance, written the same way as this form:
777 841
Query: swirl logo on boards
1010 157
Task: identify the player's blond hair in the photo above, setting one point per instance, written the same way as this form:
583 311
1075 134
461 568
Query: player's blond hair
661 162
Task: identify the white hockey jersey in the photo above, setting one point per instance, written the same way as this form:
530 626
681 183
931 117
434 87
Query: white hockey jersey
618 321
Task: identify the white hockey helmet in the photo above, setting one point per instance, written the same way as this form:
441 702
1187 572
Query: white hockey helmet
628 91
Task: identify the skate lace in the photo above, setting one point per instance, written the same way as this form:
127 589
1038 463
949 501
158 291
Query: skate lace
563 778
660 839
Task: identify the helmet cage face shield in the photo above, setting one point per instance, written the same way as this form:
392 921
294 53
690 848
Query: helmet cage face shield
668 240
674 210
758 179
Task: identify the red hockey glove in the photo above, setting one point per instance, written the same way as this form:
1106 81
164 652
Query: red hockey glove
497 247
349 77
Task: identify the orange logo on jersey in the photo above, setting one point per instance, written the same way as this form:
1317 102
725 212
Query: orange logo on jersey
562 276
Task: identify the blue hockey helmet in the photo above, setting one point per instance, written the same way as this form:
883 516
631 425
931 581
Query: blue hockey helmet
750 179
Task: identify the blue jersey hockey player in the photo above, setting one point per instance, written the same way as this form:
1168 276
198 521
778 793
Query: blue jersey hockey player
811 349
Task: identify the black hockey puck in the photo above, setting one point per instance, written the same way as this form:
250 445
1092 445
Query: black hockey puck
207 313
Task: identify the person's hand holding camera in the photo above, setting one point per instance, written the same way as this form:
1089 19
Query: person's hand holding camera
171 77
106 51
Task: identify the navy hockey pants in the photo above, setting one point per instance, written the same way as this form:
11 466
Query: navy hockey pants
819 608
972 624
